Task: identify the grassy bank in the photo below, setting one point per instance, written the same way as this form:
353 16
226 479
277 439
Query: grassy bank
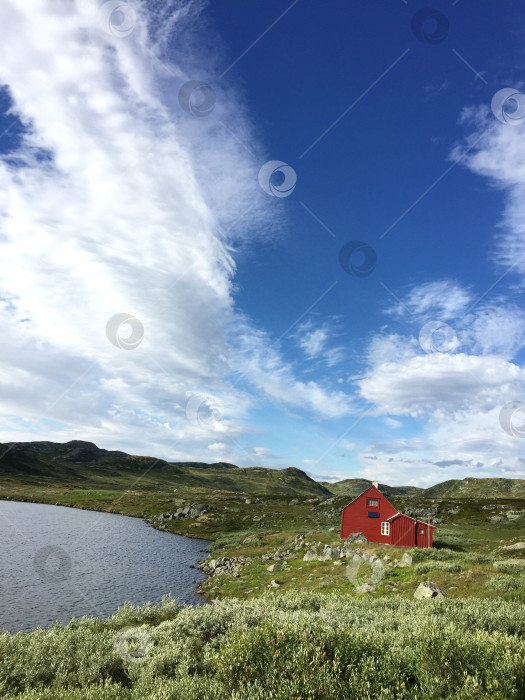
291 645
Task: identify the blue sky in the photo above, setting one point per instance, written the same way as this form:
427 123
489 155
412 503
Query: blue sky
136 198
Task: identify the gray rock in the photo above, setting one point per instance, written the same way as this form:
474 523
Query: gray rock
192 511
328 502
293 502
274 567
311 555
355 537
223 565
365 588
426 590
406 561
274 584
329 553
346 551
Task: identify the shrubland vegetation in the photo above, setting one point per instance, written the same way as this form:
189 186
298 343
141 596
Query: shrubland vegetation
282 646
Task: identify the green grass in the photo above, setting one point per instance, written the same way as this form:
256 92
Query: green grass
282 646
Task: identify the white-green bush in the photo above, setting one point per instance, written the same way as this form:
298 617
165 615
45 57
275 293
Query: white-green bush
281 646
425 567
503 584
511 566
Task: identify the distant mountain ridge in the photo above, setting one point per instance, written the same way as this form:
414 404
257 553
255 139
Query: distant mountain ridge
82 464
453 488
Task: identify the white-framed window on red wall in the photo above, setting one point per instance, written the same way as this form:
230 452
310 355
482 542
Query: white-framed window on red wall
372 502
385 528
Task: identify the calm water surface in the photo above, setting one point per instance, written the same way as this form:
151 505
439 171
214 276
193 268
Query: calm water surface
57 563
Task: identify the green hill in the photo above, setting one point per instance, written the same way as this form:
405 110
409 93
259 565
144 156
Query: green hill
82 464
477 488
351 488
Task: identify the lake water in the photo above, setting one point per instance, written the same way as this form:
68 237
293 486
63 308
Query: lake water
57 563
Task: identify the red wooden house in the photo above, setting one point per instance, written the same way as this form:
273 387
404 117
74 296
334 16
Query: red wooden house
378 520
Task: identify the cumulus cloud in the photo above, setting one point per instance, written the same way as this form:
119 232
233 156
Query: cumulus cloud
497 151
447 383
117 200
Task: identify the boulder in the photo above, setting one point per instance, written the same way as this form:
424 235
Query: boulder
346 551
193 511
223 565
329 553
365 588
311 555
518 545
406 561
293 502
274 567
427 589
355 537
274 584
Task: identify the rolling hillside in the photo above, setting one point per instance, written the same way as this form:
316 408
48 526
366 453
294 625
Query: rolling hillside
351 488
477 488
84 465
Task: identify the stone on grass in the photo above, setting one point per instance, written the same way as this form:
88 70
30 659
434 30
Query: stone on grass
354 537
426 590
274 567
329 553
406 561
293 502
365 588
311 555
518 545
274 584
346 551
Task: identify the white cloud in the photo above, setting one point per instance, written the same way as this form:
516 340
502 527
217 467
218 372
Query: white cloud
218 447
497 151
439 300
447 383
134 211
261 364
314 341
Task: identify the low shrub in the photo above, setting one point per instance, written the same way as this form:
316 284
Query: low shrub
425 567
511 566
503 584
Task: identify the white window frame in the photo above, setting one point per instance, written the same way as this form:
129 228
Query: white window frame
374 504
385 528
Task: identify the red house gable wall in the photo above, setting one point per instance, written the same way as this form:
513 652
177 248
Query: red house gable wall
403 530
354 518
